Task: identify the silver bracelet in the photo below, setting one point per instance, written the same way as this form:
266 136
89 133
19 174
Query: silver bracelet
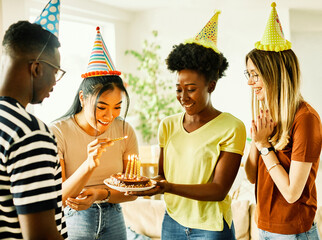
107 197
274 165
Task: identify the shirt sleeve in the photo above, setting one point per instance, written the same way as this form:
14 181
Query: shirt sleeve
307 139
235 139
33 173
162 134
59 139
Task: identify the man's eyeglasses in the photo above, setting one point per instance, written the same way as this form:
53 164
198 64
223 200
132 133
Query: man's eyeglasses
60 72
253 77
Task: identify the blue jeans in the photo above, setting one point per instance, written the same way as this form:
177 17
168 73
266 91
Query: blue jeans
312 234
100 221
172 230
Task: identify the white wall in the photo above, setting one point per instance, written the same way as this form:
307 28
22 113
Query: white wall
306 32
238 31
11 12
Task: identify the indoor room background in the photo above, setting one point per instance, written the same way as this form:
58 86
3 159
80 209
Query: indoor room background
125 24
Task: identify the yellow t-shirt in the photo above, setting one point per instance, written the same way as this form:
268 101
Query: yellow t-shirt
190 158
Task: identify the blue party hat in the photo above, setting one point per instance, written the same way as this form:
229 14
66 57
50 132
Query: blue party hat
49 17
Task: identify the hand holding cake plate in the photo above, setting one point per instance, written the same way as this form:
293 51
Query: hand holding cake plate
128 189
131 180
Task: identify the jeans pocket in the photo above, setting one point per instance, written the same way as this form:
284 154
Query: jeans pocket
68 212
117 207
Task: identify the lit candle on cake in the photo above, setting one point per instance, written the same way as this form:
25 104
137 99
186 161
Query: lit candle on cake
134 167
127 166
131 167
138 175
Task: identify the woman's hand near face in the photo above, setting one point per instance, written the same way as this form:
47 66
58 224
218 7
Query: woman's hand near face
95 150
262 129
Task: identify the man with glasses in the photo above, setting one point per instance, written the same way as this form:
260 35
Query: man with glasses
30 173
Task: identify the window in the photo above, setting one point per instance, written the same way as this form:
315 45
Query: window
77 39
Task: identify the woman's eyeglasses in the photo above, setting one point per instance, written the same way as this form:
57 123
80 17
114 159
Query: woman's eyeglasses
253 77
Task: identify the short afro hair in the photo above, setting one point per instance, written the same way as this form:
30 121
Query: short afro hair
25 38
199 58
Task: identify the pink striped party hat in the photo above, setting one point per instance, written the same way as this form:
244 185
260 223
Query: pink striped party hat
100 61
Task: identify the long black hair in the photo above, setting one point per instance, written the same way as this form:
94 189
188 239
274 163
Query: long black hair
95 86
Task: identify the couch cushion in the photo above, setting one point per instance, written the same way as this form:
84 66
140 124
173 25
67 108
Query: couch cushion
240 210
253 230
144 216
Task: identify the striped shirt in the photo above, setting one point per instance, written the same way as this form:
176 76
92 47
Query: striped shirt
30 173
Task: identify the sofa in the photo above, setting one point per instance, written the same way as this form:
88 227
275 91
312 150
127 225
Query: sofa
144 216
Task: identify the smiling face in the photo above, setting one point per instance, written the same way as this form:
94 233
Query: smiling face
107 109
192 92
257 86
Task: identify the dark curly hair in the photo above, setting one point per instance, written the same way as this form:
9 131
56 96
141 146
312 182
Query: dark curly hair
199 58
25 38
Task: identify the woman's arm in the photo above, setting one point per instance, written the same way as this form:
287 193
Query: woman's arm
290 184
251 163
76 182
224 175
40 225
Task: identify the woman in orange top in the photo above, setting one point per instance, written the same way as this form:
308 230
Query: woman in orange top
286 145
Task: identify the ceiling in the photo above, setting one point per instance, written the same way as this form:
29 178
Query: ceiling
138 5
142 5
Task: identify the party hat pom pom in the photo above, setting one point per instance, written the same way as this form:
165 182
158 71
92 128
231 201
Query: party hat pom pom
97 28
273 4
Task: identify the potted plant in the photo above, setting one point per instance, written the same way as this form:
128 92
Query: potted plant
154 93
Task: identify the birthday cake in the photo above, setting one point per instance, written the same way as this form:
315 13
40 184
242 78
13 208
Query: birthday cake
131 178
121 180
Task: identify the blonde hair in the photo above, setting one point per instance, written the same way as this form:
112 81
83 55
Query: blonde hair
280 73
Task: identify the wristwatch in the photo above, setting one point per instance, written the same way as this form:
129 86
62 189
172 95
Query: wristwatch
264 151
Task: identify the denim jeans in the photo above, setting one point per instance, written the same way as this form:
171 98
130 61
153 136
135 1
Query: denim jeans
172 230
100 221
312 234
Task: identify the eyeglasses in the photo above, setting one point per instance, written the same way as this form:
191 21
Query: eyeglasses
60 72
248 76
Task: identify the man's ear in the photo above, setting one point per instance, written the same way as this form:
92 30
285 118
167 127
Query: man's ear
36 69
212 86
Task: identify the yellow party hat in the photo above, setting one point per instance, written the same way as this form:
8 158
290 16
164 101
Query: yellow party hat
273 38
208 35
